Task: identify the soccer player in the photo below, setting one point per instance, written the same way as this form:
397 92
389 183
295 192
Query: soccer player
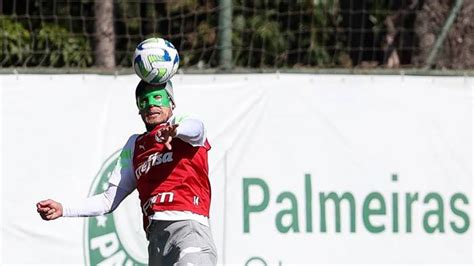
168 165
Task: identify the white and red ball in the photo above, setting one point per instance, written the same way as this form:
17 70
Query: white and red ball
156 60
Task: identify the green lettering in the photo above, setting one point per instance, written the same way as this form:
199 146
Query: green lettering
309 203
252 259
438 212
395 212
459 213
395 206
394 177
292 212
409 201
107 244
368 211
117 259
248 182
337 200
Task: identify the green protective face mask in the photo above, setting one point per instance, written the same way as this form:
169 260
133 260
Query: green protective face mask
153 97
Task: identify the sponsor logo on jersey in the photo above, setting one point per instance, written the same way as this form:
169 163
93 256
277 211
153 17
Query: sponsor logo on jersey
161 197
153 160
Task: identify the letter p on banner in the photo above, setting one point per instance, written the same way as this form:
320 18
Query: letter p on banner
247 184
107 244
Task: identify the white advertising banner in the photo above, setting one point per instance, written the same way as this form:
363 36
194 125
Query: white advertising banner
305 169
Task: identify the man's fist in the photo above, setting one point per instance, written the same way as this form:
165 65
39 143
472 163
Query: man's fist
49 209
166 134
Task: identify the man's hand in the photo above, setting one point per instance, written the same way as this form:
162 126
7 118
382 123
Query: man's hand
166 134
49 209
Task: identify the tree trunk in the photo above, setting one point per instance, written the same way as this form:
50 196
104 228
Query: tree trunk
456 51
105 36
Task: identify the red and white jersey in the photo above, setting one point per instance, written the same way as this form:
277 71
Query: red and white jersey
172 184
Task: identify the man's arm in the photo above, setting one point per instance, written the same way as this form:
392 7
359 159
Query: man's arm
192 131
93 206
121 183
188 129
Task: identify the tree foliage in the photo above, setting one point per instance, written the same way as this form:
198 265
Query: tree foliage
15 42
62 48
265 33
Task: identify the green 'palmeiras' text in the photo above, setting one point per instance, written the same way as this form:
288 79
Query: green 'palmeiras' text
375 206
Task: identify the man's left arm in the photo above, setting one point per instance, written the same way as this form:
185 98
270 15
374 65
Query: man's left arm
192 131
186 128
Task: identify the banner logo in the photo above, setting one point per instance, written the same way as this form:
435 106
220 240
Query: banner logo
116 238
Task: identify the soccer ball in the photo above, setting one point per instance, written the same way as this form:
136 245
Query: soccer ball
155 60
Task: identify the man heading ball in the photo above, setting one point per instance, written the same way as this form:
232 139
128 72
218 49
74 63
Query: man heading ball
168 165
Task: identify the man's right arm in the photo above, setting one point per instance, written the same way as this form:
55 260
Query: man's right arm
96 205
121 183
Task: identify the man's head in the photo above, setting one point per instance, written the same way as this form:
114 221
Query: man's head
155 103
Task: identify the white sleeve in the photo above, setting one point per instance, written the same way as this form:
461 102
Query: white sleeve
98 204
190 129
123 175
121 183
